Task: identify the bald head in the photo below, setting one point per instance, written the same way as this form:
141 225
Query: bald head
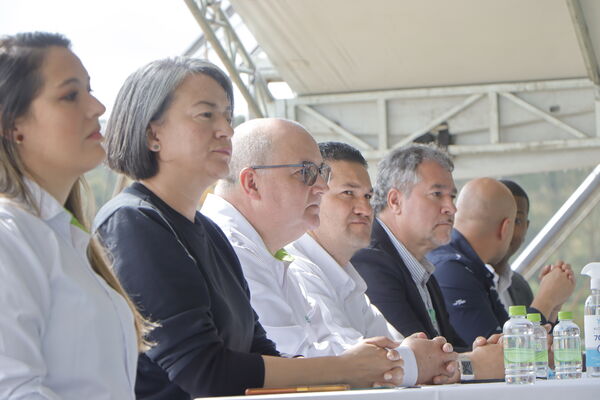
275 200
485 215
484 202
257 141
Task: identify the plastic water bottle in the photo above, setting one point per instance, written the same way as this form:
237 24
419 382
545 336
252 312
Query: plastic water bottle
518 343
567 347
540 344
592 334
592 322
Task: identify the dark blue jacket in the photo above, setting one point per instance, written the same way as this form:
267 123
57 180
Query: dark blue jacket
468 288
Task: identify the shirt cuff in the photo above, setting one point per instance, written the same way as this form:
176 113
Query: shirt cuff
411 371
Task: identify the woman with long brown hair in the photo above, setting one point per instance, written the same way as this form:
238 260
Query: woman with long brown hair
67 330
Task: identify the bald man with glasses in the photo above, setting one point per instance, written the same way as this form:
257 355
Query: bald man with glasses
270 198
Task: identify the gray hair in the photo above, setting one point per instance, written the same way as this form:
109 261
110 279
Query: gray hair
144 98
398 169
251 144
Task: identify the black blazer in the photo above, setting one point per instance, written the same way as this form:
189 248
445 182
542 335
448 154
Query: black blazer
391 288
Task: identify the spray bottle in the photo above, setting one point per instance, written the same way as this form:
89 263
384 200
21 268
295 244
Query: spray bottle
592 321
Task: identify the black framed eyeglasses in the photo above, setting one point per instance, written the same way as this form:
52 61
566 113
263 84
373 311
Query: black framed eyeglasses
309 171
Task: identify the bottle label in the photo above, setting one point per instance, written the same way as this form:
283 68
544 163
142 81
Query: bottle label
592 340
541 352
567 355
541 356
519 355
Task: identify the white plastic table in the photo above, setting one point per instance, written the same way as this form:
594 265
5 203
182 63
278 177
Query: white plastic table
576 389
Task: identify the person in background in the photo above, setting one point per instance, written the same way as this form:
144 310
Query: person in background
511 286
170 131
271 197
482 234
67 330
322 257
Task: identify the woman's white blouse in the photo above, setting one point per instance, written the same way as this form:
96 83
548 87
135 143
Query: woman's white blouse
64 333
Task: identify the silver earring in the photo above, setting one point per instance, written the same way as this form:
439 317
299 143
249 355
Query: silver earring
155 147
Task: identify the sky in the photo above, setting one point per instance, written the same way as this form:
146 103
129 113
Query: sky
112 37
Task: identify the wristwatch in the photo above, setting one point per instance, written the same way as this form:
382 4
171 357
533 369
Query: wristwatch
466 368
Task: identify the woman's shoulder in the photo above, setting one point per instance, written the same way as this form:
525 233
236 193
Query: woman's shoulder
128 208
24 236
17 220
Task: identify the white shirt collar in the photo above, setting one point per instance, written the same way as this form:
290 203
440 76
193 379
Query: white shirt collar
239 230
232 220
501 281
420 270
55 215
344 279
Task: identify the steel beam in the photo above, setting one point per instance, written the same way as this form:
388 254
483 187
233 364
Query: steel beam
210 16
584 40
488 149
494 118
438 120
442 91
335 127
597 108
382 127
549 118
560 226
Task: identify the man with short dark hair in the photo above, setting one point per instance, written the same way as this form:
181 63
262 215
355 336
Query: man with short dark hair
322 260
271 198
322 255
512 287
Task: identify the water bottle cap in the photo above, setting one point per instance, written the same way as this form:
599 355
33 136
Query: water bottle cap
565 315
534 317
517 310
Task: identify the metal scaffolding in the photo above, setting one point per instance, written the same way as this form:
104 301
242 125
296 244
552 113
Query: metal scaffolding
495 129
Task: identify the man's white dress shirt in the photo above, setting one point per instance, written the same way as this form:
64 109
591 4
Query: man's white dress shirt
291 318
340 291
501 283
64 333
420 271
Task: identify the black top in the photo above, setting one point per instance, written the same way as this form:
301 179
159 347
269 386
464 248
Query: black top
519 290
209 341
391 288
468 287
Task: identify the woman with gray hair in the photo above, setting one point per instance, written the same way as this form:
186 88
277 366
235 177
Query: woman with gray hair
170 131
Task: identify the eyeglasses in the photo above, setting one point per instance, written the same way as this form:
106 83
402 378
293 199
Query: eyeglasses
309 171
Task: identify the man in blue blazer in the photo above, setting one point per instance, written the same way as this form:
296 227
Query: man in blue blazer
414 203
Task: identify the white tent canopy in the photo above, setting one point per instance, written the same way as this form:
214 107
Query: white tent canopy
341 46
515 80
